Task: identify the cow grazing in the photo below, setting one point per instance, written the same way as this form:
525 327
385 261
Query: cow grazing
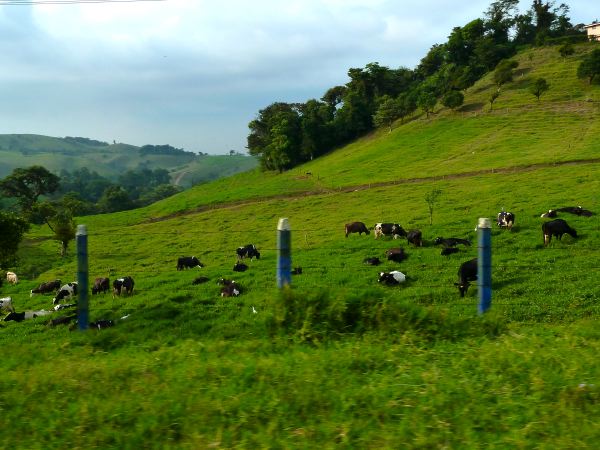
247 251
466 272
375 261
296 271
123 286
577 210
62 320
550 214
392 278
19 317
44 288
230 288
556 227
240 267
6 303
187 262
101 324
101 284
356 227
200 280
12 277
14 316
449 250
505 219
451 242
64 306
395 254
415 237
67 291
389 229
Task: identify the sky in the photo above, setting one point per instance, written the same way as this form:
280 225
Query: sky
194 73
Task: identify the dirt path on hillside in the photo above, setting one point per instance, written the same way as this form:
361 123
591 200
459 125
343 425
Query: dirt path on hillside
362 187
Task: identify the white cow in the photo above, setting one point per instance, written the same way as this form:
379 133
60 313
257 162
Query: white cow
6 303
12 278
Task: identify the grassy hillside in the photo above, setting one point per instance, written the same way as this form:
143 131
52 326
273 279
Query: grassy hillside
112 160
338 361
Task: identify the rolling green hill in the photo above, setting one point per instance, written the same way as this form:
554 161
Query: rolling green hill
338 360
112 160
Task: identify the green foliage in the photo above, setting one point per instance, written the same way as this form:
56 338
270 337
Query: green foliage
453 99
504 72
493 97
590 66
13 229
27 184
64 228
387 113
426 101
539 86
114 199
431 198
566 49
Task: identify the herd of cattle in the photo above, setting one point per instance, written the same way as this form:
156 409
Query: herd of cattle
467 272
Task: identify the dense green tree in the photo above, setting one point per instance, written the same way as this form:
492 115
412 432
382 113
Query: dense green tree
13 229
590 66
317 129
453 99
432 61
387 113
114 199
407 104
26 185
158 193
426 101
493 97
539 86
64 228
504 72
566 49
500 19
334 96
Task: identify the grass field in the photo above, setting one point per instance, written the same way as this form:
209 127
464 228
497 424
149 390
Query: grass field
337 361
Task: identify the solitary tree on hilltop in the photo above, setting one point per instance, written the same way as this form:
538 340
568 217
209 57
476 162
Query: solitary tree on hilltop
493 98
590 66
538 87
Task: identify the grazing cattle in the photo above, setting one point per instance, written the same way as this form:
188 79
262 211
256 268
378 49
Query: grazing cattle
6 303
200 280
101 324
19 317
392 278
44 288
240 267
356 227
550 214
466 272
375 261
577 210
505 219
395 254
187 262
230 288
69 290
556 227
415 237
451 242
248 251
101 284
12 278
449 250
123 286
64 306
297 271
14 316
389 229
62 320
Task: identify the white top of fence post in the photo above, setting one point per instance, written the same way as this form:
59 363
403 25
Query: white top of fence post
81 230
484 223
283 224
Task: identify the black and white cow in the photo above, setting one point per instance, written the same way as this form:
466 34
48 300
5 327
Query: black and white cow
230 288
415 237
6 303
466 272
356 227
577 210
67 291
392 278
123 286
240 267
395 254
101 284
389 229
556 227
44 288
505 219
248 251
187 262
451 242
550 214
372 261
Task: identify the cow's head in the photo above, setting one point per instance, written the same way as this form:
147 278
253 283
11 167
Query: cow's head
462 287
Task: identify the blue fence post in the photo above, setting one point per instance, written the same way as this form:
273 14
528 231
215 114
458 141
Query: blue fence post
284 253
82 277
484 264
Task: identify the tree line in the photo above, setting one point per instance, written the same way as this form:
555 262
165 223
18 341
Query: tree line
284 135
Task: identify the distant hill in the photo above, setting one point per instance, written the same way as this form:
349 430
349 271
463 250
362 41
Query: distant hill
111 160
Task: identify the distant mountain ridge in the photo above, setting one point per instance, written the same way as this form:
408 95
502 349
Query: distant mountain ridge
111 160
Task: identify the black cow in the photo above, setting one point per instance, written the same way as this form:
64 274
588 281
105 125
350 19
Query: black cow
123 286
68 290
550 214
395 254
44 288
297 271
101 284
101 324
375 261
248 251
14 316
505 219
200 280
356 227
577 210
449 250
240 267
187 262
466 272
451 242
415 237
556 227
389 229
